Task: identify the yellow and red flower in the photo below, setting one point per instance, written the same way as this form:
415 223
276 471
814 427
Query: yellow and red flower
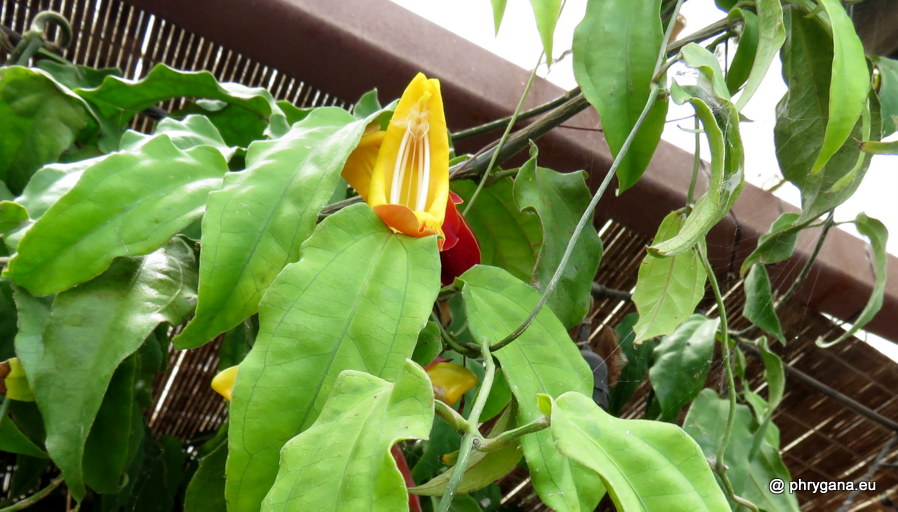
403 174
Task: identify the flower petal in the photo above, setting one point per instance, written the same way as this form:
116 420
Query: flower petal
463 252
358 167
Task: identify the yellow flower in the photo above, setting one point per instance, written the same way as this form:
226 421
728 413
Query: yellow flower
408 184
223 383
450 381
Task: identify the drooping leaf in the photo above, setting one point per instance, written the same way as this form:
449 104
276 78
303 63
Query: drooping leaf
120 99
667 289
750 476
542 360
801 120
888 93
615 48
632 374
508 238
878 235
546 13
363 417
356 299
126 204
771 34
71 356
746 50
720 121
682 361
559 200
498 13
777 244
758 307
39 119
644 465
483 467
849 85
774 374
256 223
13 440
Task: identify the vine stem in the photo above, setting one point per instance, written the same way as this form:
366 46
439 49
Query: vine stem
511 123
654 92
719 465
34 498
472 435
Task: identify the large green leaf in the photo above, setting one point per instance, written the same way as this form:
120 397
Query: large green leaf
70 357
356 299
801 120
546 13
667 289
358 424
758 307
682 361
749 475
878 235
849 85
126 204
720 121
645 465
508 238
888 93
205 492
559 200
771 33
542 360
120 99
256 223
615 50
39 119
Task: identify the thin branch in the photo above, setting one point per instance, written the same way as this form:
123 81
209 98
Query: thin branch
827 225
34 498
527 114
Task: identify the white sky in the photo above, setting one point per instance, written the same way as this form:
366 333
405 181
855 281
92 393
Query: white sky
518 42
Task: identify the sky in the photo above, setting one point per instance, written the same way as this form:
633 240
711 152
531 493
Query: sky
518 41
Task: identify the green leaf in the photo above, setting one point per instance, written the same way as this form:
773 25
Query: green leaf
443 439
429 344
749 475
667 289
256 223
615 48
185 134
70 357
777 244
498 13
237 126
205 492
878 235
637 362
682 361
39 119
361 420
120 99
771 33
158 476
706 63
559 200
483 468
117 427
13 440
746 49
126 204
546 13
644 465
720 121
508 238
367 105
74 76
357 299
774 374
888 93
801 120
12 215
849 86
758 307
496 303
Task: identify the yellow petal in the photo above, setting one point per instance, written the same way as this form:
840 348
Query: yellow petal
360 164
412 166
223 383
450 381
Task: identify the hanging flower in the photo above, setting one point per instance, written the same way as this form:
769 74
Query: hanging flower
223 382
403 174
449 380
